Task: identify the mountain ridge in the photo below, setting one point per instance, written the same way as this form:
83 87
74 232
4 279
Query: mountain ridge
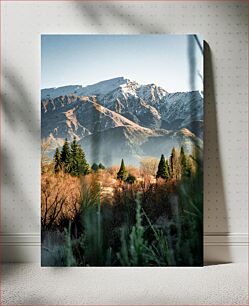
123 109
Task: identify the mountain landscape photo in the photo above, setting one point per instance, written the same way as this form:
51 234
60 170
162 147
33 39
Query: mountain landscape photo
122 158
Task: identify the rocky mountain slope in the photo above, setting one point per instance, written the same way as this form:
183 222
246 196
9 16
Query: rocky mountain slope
121 118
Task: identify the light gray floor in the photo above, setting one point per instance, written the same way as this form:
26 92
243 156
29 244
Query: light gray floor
218 284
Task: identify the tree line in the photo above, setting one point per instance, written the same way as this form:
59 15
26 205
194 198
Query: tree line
178 166
71 159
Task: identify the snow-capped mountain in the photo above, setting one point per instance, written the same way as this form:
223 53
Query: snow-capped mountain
125 86
138 117
100 88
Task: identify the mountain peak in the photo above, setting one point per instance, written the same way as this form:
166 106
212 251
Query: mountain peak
120 79
116 81
104 87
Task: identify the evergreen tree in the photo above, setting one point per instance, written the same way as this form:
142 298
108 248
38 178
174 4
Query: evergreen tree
82 163
122 173
174 165
95 167
101 166
185 167
78 163
130 179
57 161
163 169
65 156
167 170
74 167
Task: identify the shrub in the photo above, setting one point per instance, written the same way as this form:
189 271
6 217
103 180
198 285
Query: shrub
130 179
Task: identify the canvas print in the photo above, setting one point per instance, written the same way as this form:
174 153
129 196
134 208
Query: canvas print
122 150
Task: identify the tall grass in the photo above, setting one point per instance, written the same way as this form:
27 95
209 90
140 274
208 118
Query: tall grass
159 225
134 248
137 251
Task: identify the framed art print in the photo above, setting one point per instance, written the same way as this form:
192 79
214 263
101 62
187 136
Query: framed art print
122 150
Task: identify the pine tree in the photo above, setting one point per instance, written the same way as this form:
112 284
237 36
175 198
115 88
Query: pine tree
95 167
74 168
65 156
78 163
163 169
130 179
185 167
57 161
174 164
101 166
122 173
167 170
82 163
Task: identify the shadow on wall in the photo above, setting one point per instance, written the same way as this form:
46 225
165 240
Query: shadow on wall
123 16
20 115
214 194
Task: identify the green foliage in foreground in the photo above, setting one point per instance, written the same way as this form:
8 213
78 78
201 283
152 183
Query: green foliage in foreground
113 236
134 248
160 226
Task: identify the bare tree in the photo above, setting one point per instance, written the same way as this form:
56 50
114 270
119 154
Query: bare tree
148 166
60 199
45 159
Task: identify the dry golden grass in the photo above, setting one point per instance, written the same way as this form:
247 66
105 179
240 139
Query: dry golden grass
60 197
63 195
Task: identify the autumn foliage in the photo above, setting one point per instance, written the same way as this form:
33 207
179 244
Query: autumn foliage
122 215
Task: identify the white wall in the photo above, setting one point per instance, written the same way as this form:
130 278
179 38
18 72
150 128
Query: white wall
224 27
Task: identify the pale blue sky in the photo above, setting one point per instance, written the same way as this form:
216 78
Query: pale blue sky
88 59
